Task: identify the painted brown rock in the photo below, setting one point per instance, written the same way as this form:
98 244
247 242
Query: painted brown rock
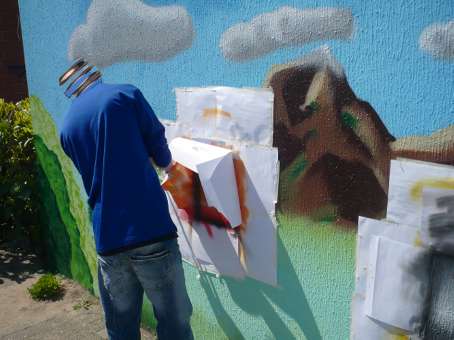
334 149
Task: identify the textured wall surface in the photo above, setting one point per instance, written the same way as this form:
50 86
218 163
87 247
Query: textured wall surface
380 87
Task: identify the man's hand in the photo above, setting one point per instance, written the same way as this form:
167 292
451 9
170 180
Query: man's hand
169 167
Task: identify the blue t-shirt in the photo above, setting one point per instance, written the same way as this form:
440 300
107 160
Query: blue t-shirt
110 132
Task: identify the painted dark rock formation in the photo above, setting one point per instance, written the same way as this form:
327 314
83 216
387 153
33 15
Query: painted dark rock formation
333 147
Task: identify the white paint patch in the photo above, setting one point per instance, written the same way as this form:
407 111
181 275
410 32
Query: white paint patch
438 40
285 27
126 30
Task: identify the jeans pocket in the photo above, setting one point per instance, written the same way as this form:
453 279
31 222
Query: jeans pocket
154 264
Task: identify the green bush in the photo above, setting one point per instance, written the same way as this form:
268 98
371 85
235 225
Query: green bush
19 199
48 287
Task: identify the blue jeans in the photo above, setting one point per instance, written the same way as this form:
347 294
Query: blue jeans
155 269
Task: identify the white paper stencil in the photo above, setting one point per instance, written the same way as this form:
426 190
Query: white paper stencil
197 248
407 180
240 123
363 326
214 165
226 114
396 294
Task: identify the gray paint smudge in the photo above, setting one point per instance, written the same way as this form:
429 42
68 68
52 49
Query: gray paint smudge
438 40
285 27
126 30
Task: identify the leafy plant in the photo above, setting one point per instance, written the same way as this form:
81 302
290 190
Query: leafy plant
19 200
48 287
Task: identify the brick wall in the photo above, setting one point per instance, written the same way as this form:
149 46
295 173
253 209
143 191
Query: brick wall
13 83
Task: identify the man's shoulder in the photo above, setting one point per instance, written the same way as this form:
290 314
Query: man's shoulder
118 89
115 95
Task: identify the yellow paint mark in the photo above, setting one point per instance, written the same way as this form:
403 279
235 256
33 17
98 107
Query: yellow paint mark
439 183
418 241
214 112
399 337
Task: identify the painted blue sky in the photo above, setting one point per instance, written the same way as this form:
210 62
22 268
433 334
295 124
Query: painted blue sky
412 92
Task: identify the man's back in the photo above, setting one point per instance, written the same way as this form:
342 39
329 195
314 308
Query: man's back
110 132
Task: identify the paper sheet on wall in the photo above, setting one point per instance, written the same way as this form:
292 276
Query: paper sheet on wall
242 121
363 326
215 168
397 283
197 247
407 180
437 221
259 238
226 114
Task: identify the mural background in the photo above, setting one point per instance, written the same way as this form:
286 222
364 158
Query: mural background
410 90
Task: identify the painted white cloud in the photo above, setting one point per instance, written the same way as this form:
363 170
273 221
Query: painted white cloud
285 27
124 30
438 40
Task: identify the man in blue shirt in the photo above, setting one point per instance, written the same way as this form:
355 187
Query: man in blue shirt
110 132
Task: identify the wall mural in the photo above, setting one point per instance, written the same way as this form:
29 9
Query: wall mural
355 86
334 148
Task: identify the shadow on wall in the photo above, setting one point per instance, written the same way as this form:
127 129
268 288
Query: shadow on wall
253 298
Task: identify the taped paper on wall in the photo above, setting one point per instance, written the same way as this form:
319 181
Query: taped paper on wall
226 114
214 252
259 234
364 303
222 126
215 169
406 183
395 296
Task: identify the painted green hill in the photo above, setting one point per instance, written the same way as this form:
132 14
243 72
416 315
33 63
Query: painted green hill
70 245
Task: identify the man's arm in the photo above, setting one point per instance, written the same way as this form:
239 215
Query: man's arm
153 133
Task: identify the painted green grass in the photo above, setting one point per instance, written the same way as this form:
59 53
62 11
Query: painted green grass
73 211
311 301
62 234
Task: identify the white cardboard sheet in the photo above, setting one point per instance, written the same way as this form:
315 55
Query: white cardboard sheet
198 248
241 120
214 165
394 295
407 180
226 114
259 238
364 327
437 222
